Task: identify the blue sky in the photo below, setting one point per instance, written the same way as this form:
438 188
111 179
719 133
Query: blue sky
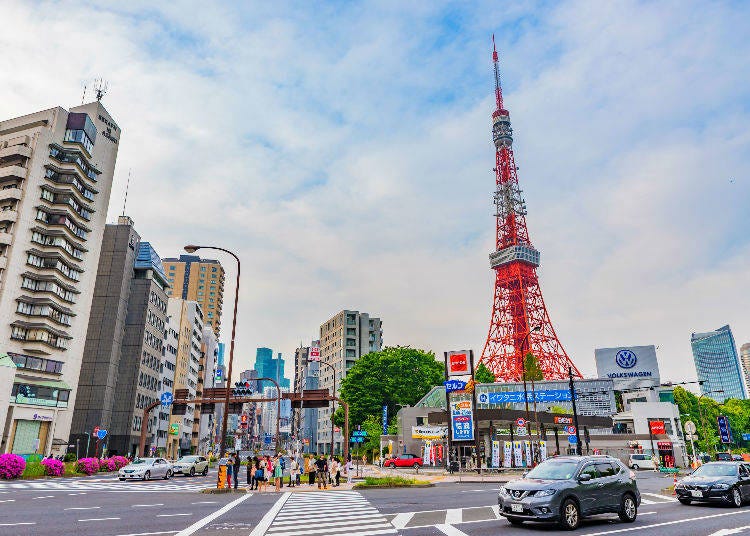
343 150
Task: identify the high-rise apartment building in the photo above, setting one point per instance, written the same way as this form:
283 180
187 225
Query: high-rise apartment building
745 362
305 420
189 317
123 359
344 338
56 171
718 365
269 367
199 280
204 417
169 362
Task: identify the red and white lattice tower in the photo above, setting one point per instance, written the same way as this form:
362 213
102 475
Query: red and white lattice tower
520 323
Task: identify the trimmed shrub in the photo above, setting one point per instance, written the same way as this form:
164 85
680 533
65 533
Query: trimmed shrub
106 465
11 466
120 462
87 466
53 467
33 470
70 457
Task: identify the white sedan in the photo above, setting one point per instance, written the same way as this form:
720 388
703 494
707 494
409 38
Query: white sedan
146 469
190 465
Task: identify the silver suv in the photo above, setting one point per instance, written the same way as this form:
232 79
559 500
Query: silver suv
564 489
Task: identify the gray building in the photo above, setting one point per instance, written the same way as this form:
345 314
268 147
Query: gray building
305 420
122 365
169 363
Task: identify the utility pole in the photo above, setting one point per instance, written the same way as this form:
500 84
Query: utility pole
575 411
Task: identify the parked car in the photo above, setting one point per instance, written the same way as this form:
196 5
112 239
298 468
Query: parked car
404 460
564 489
723 457
641 461
146 469
737 458
722 482
190 465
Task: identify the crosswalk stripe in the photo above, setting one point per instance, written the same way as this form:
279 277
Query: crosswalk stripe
328 520
401 520
375 528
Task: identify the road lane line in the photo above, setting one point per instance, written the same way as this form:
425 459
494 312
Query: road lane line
666 523
99 519
262 527
83 493
450 530
9 500
401 520
146 505
206 502
645 513
206 520
174 515
148 533
453 516
19 523
83 508
45 497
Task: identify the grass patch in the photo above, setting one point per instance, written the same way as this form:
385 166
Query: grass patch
33 470
391 482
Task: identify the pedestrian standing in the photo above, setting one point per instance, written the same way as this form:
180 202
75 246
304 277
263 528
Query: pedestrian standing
236 469
260 475
310 470
321 466
332 468
250 472
348 469
293 472
277 472
230 463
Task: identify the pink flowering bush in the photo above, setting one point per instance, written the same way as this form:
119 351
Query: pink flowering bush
120 462
53 467
11 466
106 465
87 466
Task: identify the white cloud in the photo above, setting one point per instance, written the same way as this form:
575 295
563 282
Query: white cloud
344 152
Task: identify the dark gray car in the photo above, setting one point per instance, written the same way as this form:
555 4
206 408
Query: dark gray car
564 489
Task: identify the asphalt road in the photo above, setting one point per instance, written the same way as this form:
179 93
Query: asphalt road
103 506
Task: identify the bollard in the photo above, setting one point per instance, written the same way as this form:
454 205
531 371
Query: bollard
674 485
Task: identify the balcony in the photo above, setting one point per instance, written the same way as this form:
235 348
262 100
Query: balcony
5 238
13 171
8 215
10 193
15 151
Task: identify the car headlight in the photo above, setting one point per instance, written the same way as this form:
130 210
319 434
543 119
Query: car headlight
545 493
504 492
721 486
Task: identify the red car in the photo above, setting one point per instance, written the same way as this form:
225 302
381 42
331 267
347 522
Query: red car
405 460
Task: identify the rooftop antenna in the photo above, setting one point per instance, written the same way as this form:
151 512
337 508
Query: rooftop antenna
100 88
83 97
127 187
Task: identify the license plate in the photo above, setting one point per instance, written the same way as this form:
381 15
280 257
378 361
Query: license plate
696 493
516 508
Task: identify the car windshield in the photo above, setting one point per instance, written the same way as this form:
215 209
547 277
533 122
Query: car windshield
188 459
143 461
554 470
718 469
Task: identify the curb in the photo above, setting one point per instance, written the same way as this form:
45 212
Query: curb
360 487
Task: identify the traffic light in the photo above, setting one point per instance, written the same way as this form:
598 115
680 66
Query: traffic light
242 388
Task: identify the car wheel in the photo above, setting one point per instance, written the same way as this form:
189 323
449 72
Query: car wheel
514 520
416 466
633 466
735 497
168 474
570 515
205 471
683 500
147 475
122 480
192 471
628 509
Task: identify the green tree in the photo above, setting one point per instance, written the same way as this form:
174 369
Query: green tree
395 376
483 374
533 370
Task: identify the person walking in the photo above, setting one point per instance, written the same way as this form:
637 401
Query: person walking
236 469
277 472
332 467
293 472
322 472
348 470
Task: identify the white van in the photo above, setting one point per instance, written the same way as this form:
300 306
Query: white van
641 461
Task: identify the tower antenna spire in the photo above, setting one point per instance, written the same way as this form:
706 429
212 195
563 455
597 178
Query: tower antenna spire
127 187
100 88
496 67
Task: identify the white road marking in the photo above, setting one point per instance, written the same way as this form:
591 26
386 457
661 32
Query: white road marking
148 533
14 524
453 516
83 508
662 498
726 532
666 523
9 500
401 520
261 527
45 497
450 530
99 519
173 515
206 502
82 493
147 505
206 520
479 490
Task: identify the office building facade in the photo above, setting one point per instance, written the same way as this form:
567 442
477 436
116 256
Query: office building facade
745 362
305 420
198 280
344 338
269 367
56 171
718 365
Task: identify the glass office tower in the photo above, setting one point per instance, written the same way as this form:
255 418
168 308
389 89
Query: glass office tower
718 365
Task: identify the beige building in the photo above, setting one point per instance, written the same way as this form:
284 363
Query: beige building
56 172
745 362
199 280
344 338
188 316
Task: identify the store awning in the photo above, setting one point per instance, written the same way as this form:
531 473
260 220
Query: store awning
54 384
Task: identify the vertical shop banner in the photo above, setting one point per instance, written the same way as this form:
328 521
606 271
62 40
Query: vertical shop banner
527 448
496 454
462 420
542 450
507 453
518 453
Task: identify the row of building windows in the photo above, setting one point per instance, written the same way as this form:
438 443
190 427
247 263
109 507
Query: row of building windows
48 286
46 311
73 157
70 179
147 381
57 241
79 136
156 300
53 263
154 320
150 361
59 219
143 401
36 363
38 335
67 199
153 341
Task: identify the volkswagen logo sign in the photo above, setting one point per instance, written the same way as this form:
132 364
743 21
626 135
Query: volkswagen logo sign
626 359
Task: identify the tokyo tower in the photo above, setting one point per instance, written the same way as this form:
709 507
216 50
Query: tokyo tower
520 323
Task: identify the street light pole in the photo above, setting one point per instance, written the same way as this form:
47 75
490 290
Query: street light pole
228 379
333 402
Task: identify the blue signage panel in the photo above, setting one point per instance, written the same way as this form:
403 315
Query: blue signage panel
725 432
101 433
572 439
454 385
543 395
166 399
462 421
385 420
746 437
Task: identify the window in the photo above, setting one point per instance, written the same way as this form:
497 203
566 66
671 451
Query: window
590 470
606 469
